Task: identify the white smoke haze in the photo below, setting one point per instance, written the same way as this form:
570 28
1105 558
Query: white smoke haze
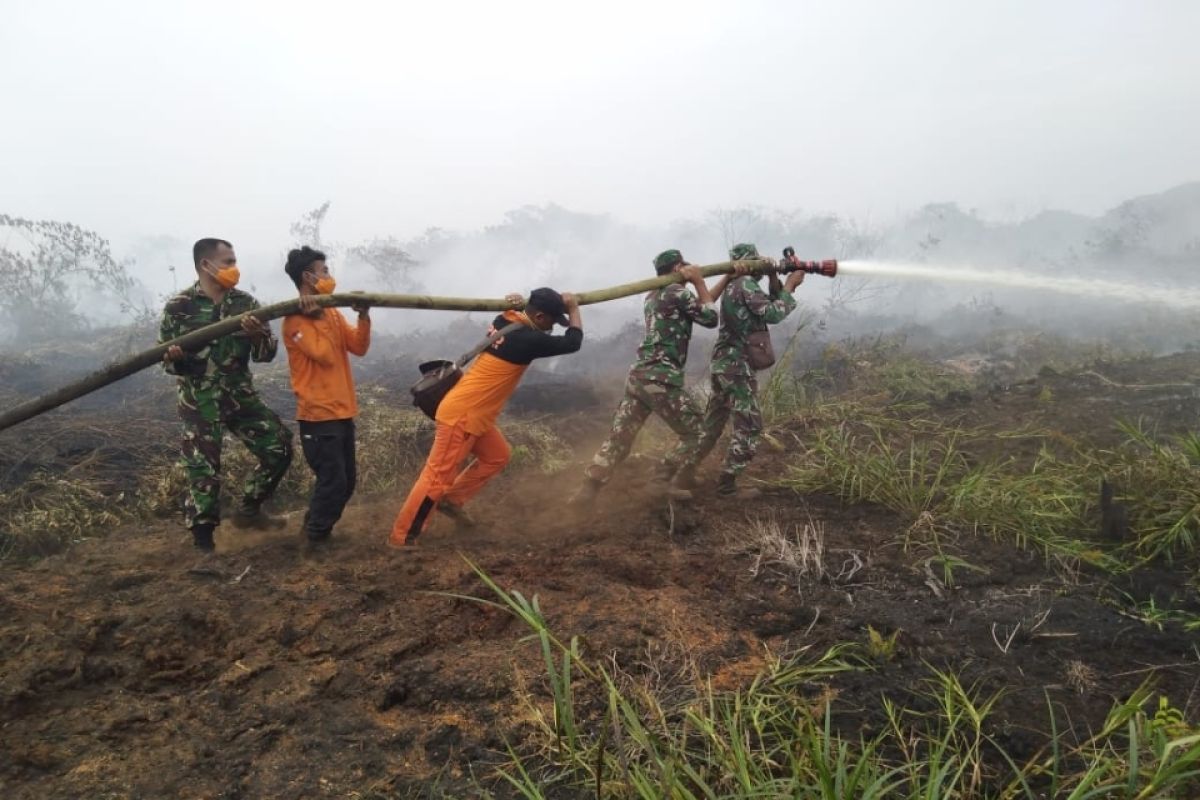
507 146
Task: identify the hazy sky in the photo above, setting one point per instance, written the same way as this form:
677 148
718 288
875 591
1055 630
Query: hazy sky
231 118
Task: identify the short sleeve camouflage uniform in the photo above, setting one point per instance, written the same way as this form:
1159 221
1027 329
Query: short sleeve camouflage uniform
655 382
745 308
216 392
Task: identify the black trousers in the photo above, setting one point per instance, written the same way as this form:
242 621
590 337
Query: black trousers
329 450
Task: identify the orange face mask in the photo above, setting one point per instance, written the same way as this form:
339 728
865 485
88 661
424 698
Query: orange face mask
325 285
227 277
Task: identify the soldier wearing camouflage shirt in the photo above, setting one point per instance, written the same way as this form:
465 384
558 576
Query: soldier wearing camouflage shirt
745 308
216 393
655 382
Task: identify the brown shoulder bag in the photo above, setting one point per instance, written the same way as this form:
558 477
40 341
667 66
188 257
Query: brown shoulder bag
440 376
759 351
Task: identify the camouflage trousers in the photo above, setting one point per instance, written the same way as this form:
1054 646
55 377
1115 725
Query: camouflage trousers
206 414
735 396
673 404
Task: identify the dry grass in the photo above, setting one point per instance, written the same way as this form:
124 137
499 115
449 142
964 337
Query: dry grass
46 512
127 471
793 554
665 669
1080 677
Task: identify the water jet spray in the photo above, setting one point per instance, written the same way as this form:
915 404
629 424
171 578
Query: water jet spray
1177 297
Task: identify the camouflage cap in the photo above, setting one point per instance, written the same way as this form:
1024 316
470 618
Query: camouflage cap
744 250
667 258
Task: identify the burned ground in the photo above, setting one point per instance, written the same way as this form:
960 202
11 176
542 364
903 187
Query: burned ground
363 671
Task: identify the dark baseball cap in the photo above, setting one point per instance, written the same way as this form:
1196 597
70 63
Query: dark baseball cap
550 302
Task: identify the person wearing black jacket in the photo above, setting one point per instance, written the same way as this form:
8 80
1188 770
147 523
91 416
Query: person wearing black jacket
466 417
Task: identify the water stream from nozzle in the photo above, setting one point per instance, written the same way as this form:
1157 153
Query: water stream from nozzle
1179 298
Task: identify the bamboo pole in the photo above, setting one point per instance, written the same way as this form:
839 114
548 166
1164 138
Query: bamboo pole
117 370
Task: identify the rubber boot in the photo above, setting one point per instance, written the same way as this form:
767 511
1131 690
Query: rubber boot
208 564
676 493
586 494
202 537
680 487
684 479
315 537
727 487
250 515
460 515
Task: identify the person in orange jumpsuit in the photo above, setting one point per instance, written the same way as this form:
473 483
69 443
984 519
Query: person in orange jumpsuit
318 341
466 418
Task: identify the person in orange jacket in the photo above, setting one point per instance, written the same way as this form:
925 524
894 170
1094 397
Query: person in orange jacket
466 417
318 340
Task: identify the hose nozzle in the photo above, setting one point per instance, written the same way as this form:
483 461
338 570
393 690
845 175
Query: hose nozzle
789 263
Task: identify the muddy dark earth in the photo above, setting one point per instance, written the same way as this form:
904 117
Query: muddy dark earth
359 671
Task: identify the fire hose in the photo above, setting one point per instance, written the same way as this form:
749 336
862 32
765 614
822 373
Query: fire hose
193 340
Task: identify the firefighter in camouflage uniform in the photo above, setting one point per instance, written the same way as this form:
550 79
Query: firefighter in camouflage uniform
745 309
655 382
216 393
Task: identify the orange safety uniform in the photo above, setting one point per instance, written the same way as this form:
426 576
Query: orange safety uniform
317 350
466 422
325 407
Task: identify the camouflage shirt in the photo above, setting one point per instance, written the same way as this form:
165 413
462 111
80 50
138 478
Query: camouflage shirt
745 308
670 312
224 362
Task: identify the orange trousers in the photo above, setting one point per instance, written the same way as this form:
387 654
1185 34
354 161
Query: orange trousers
441 479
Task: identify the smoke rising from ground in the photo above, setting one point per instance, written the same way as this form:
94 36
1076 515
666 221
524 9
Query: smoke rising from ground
1057 270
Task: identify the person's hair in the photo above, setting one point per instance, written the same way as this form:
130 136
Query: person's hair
299 261
203 248
667 269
